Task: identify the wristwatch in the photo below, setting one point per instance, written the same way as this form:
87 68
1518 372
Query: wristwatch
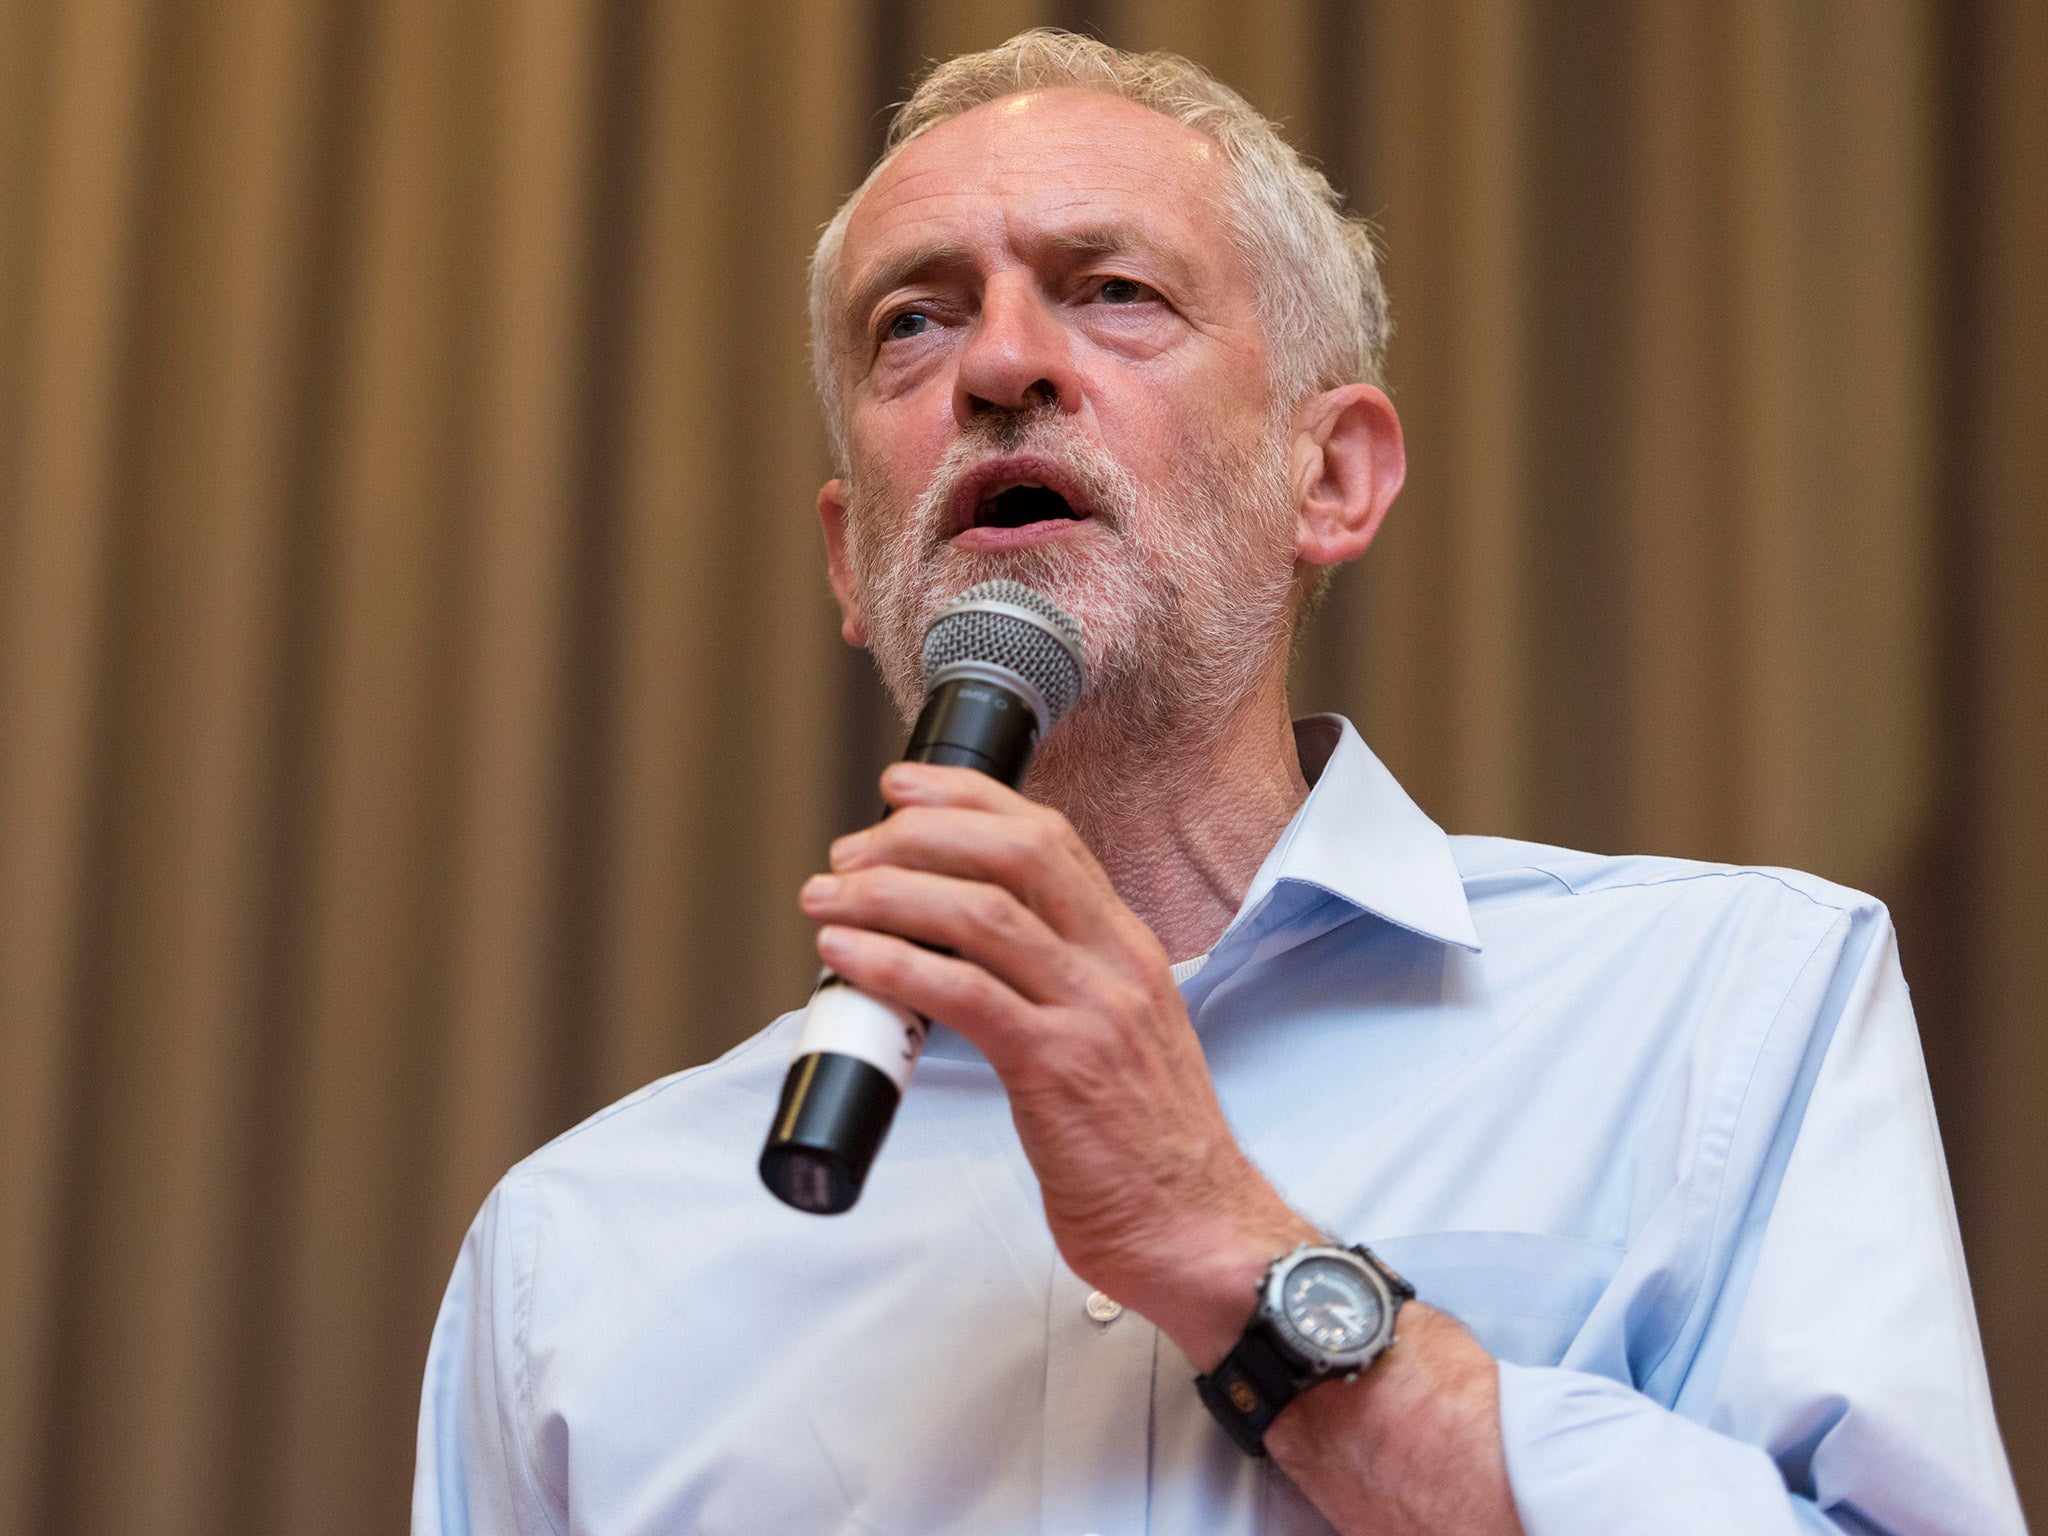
1322 1312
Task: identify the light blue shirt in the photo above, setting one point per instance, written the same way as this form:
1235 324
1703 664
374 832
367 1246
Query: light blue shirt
1658 1132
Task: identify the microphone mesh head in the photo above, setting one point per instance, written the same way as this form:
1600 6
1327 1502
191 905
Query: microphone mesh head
1045 649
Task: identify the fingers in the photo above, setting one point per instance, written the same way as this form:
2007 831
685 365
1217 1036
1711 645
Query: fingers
978 921
930 784
956 992
953 821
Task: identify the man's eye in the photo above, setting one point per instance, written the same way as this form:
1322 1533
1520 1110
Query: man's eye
906 325
1123 290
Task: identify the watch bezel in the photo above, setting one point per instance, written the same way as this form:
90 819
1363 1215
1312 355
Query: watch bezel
1325 1362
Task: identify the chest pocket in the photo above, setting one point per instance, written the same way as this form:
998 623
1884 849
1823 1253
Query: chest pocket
1524 1296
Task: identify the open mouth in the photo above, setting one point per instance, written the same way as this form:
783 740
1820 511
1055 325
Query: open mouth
1014 496
1022 504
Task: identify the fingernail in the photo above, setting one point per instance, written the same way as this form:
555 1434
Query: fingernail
821 888
848 848
832 943
899 776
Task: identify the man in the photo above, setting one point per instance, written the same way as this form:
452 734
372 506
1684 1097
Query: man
1650 1140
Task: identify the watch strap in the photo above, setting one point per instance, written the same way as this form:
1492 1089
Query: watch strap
1262 1375
1253 1383
1402 1290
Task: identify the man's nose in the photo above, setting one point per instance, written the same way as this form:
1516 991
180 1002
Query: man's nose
1019 355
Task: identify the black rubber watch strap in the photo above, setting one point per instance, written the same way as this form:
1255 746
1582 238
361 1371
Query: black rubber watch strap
1403 1291
1263 1374
1254 1382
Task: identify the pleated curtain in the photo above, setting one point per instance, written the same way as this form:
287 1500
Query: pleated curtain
420 697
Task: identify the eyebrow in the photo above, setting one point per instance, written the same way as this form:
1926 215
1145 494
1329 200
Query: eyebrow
1112 239
1101 240
897 270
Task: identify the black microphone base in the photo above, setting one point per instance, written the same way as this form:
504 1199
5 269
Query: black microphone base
835 1110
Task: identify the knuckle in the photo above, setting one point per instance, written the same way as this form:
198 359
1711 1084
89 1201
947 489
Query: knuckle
968 992
862 888
891 963
995 910
1014 854
1056 830
1021 850
905 825
1048 829
977 990
890 882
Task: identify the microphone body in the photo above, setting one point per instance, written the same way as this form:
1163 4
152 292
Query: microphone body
988 664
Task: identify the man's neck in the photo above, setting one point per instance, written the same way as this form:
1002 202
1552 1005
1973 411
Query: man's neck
1189 823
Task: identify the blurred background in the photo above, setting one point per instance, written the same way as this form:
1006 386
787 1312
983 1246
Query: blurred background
420 698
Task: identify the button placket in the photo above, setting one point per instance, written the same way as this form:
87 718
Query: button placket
1098 1409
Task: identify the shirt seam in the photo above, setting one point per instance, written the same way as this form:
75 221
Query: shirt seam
653 1091
1523 869
518 1187
1675 878
535 1475
1718 1203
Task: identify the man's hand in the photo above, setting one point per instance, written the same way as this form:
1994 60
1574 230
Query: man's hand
1071 999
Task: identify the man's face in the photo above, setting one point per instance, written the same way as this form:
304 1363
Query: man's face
1054 370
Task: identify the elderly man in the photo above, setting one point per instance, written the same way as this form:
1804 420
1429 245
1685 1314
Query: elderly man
1650 1141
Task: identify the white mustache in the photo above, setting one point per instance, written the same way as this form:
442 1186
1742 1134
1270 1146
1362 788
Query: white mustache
1111 490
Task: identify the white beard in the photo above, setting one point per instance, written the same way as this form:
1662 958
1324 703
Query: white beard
1184 591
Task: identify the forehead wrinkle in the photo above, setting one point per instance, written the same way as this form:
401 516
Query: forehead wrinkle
1115 237
1028 233
904 182
995 190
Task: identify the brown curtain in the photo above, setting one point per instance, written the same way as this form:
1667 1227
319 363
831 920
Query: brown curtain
419 698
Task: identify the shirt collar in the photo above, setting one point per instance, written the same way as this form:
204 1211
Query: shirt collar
1360 838
1357 838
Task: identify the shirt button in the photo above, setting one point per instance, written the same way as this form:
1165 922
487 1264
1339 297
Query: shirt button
1103 1310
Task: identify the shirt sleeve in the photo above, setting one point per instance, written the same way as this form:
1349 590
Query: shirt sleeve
1840 1383
475 1474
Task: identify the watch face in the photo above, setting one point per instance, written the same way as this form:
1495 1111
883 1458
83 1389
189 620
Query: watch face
1331 1305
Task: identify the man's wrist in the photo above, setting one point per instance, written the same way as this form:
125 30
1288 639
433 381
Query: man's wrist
1206 1303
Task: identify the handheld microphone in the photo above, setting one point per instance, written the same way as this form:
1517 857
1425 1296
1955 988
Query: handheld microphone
1002 664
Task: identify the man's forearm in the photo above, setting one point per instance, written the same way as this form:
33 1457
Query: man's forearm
1412 1446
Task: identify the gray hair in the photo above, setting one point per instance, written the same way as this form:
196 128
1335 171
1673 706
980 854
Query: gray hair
1315 273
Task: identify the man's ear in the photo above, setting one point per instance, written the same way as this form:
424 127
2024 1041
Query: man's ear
853 624
1346 464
